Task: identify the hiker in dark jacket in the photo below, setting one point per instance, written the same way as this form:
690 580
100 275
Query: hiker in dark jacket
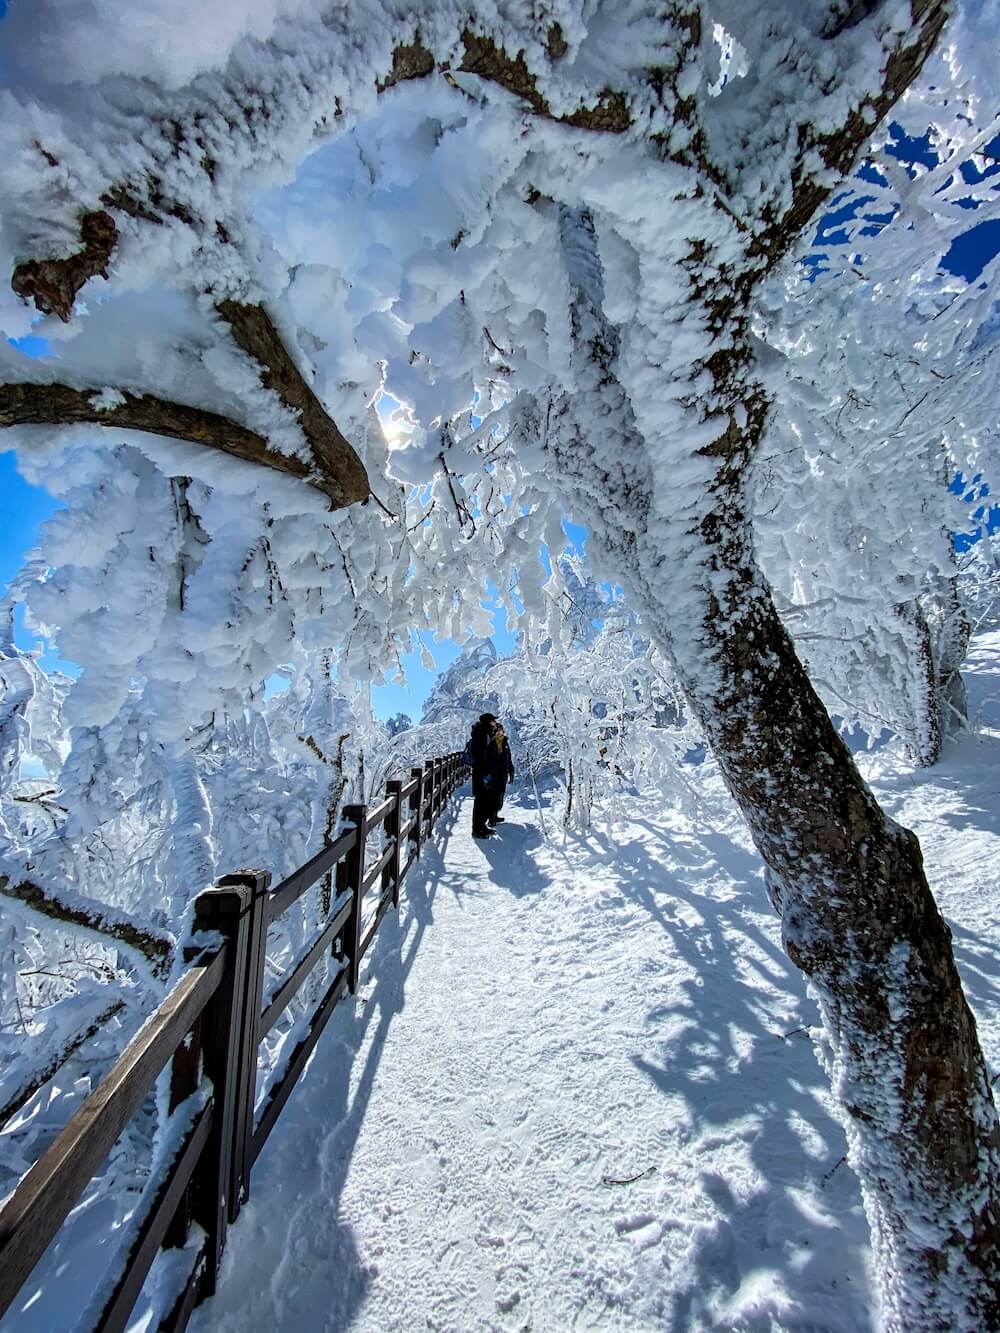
499 770
482 802
491 768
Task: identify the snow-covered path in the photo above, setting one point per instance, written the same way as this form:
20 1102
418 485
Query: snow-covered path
537 1026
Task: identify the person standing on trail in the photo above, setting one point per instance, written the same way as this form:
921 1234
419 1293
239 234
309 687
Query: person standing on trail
500 771
491 765
476 754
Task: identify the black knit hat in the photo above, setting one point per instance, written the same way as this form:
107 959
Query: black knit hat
487 717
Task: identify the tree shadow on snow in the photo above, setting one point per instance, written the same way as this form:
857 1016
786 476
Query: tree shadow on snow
320 1278
979 967
770 1258
950 774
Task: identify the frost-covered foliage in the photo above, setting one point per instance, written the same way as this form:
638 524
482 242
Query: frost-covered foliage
30 725
452 706
419 241
979 581
457 694
264 787
397 723
886 390
594 705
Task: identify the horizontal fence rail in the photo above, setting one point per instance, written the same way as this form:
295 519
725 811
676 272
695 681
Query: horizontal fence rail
209 1030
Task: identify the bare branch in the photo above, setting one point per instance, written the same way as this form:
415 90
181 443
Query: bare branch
343 473
60 405
423 518
461 509
385 510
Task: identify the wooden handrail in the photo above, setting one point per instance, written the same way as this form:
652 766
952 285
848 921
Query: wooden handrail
210 1026
377 815
292 888
156 1221
40 1204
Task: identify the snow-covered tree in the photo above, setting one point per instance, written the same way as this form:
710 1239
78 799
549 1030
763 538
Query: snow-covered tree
590 703
397 723
547 234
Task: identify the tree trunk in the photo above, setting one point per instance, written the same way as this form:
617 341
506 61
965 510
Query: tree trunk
951 631
858 918
900 1042
922 729
191 828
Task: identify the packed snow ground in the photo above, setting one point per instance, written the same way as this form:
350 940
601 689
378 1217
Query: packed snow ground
546 1020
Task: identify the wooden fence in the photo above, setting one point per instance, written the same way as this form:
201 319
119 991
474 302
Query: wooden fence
209 1028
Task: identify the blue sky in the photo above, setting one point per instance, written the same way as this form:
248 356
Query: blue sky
23 509
968 254
392 698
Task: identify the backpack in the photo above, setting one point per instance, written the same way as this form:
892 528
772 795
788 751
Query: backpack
467 753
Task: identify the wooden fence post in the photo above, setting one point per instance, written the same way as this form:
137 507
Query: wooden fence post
225 910
429 795
417 807
392 825
350 876
257 883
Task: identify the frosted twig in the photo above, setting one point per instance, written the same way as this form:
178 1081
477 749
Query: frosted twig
94 918
392 516
627 1180
839 1162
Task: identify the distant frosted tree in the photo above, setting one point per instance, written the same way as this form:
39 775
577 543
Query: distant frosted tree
398 722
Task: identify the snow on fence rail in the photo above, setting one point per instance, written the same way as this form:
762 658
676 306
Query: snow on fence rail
209 1028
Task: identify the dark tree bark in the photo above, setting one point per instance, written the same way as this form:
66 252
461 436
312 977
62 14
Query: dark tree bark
337 465
60 405
483 57
53 283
